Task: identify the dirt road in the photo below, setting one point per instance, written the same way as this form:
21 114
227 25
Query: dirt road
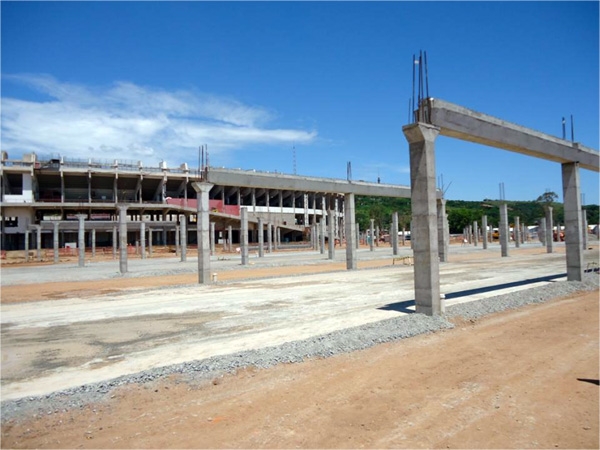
518 379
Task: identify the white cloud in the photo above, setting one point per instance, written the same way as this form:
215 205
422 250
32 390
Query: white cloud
131 122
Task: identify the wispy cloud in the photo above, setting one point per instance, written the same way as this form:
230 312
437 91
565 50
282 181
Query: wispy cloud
127 121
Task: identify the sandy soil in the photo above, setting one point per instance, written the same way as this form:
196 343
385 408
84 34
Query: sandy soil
518 379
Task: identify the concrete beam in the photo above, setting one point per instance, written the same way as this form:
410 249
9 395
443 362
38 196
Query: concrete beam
252 179
468 125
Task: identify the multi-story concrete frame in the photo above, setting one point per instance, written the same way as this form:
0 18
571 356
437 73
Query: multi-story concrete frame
36 192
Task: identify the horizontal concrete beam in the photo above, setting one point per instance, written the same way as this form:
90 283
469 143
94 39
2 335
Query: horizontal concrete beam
468 125
228 177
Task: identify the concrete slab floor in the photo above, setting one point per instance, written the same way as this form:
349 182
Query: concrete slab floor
53 345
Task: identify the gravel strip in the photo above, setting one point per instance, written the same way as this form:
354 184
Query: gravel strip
338 342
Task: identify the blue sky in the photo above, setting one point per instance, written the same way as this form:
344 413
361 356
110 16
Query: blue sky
152 81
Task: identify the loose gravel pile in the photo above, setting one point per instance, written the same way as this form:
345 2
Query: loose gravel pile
338 342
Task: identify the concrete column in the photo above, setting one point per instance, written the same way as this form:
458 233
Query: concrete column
93 242
314 236
55 242
503 230
331 237
123 239
377 236
261 239
230 237
517 232
443 230
523 233
322 235
278 237
244 235
475 234
549 230
26 245
203 231
81 239
356 237
212 238
542 230
485 232
573 225
372 236
424 233
403 238
270 237
584 229
470 233
177 238
350 229
115 242
143 240
394 233
183 237
150 241
38 242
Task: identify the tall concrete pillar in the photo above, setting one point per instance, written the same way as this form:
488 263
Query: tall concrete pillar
424 233
549 230
244 235
314 234
503 229
475 234
584 229
93 242
350 229
143 240
573 225
38 242
115 242
230 237
485 232
55 242
183 236
517 232
26 245
212 238
331 237
270 237
203 231
81 239
372 236
443 230
523 233
394 233
357 237
261 239
123 239
403 238
377 236
177 238
322 235
277 238
470 233
542 230
150 241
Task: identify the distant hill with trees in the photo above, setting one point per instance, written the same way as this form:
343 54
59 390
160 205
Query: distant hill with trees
463 213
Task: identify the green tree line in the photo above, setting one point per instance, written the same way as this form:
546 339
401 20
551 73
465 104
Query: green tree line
462 213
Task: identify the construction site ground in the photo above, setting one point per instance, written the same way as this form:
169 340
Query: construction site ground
518 379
